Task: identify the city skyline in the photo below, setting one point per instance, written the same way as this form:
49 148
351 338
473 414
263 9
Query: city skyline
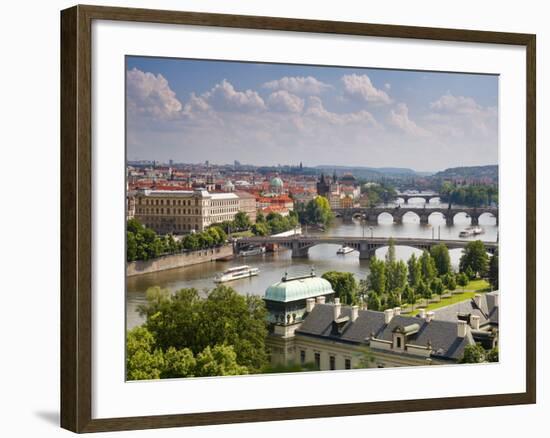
268 114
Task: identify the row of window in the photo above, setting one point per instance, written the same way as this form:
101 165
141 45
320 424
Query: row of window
169 202
317 360
168 211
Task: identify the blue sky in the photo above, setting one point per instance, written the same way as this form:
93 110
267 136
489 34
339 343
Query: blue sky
194 110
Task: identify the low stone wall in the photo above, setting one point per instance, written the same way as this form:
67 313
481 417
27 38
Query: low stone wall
177 260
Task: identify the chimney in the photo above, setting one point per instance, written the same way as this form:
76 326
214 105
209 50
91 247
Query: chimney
321 299
474 322
310 304
354 313
477 300
462 328
388 315
422 313
337 308
430 316
396 311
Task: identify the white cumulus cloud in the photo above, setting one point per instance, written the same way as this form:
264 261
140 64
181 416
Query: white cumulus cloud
361 87
283 101
399 117
150 95
224 97
317 110
307 85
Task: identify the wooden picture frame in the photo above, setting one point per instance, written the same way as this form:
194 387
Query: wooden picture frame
76 217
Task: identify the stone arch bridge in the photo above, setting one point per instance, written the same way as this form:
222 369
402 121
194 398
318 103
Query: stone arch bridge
372 213
300 244
427 197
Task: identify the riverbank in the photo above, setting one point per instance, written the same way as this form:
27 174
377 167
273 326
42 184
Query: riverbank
180 260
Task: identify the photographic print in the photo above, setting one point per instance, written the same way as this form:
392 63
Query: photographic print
298 218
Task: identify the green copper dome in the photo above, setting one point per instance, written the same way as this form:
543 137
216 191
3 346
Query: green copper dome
276 182
295 289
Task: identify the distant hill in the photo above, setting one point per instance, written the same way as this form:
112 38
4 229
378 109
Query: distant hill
490 171
368 172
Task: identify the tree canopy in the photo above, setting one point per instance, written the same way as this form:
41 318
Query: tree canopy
475 259
344 284
186 320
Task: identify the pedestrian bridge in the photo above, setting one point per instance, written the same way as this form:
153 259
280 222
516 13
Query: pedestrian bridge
371 214
366 246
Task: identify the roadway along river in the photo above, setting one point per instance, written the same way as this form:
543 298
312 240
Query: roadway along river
321 257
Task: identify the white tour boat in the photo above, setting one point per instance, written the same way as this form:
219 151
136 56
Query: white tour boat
344 250
236 273
471 231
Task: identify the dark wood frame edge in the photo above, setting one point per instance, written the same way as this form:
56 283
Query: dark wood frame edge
76 168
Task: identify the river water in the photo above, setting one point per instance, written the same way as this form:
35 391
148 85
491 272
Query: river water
322 258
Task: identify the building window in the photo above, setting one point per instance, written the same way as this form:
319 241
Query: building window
302 357
332 362
347 364
318 361
399 342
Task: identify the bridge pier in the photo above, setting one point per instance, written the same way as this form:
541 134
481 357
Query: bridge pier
299 250
450 220
474 219
424 219
367 251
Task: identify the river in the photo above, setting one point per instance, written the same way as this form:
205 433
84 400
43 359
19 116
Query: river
322 258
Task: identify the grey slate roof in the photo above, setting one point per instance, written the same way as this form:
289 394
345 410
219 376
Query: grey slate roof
487 311
441 334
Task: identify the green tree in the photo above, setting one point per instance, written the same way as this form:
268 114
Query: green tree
493 271
143 361
437 287
473 354
427 266
344 284
475 257
178 363
414 270
492 355
221 360
423 290
373 301
242 221
260 229
462 280
224 317
442 260
450 282
131 246
377 276
409 295
316 211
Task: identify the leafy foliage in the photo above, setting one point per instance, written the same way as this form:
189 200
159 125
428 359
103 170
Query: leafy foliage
144 243
474 261
344 284
473 354
185 320
316 212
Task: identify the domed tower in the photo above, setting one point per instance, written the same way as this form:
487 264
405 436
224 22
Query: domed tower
276 185
228 186
287 305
